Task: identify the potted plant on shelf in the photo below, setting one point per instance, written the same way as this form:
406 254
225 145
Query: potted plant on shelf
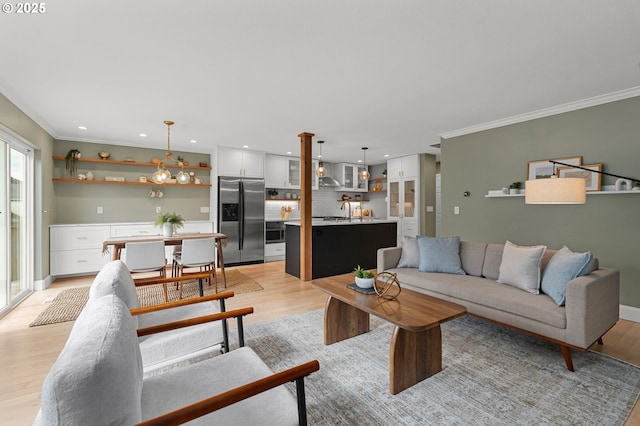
514 188
272 193
364 279
71 161
169 222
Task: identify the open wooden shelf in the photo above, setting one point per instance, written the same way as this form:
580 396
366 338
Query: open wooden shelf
115 182
131 163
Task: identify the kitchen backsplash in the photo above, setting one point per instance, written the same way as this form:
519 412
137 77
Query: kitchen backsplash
324 203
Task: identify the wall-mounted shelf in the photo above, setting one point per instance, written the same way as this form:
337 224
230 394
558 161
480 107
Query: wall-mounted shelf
115 182
606 190
354 201
282 199
130 163
376 180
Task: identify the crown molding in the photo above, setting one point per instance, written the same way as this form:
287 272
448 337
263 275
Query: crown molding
7 91
546 112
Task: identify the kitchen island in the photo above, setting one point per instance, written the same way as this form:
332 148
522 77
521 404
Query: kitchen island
338 246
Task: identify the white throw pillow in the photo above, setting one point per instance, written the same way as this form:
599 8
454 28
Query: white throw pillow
520 266
410 257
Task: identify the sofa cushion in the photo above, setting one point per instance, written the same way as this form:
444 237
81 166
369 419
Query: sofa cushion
180 387
472 257
564 266
97 378
410 257
440 255
485 292
115 278
492 260
520 266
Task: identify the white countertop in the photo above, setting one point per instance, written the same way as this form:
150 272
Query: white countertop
322 222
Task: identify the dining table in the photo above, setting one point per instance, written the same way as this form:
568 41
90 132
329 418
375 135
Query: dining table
119 243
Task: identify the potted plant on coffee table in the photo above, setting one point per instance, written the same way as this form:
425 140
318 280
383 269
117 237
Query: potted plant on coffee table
364 279
169 222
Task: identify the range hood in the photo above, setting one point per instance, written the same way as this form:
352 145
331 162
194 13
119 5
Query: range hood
327 181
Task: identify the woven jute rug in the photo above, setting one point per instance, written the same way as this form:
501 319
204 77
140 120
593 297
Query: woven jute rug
67 305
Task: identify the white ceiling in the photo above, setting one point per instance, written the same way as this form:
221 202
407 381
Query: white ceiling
390 75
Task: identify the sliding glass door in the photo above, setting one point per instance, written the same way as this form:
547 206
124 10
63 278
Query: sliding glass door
16 222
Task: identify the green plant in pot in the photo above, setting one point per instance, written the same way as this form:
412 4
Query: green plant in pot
169 222
71 161
364 279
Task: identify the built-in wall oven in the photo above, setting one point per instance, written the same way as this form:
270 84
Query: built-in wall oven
274 232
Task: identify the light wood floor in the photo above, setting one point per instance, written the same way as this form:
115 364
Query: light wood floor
26 354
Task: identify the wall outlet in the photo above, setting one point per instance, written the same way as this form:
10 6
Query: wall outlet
99 210
158 209
429 209
456 210
204 209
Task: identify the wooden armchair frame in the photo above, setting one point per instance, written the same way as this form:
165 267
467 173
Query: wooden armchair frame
217 402
183 302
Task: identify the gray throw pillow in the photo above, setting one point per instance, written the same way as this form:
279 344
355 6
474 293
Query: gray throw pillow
440 255
520 266
564 266
410 257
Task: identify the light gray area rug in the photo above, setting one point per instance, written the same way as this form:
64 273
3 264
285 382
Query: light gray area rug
491 376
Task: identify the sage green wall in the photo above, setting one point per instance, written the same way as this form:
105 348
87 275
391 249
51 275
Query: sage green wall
606 224
13 119
77 203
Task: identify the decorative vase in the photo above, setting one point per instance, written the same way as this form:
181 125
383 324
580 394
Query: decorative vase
514 191
364 282
167 229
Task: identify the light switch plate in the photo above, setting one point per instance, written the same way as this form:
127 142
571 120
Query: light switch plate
204 209
158 209
99 210
456 210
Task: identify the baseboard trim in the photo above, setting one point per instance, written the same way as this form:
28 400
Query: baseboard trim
40 285
630 313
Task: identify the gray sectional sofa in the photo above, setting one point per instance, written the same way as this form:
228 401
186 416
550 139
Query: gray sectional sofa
591 307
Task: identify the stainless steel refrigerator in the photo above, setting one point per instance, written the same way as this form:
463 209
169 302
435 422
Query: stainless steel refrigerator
241 218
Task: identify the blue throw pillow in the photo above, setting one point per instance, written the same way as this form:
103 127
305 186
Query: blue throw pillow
564 266
440 255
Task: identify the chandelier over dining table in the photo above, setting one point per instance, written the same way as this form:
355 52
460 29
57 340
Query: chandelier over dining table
162 175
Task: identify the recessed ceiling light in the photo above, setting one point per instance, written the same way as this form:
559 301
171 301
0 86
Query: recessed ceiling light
359 161
144 135
245 146
289 152
193 141
319 155
82 127
386 155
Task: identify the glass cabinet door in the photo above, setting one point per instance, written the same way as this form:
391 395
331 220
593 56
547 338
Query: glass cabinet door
348 176
409 196
394 199
294 172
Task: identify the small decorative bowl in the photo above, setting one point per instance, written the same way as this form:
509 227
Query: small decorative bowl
104 155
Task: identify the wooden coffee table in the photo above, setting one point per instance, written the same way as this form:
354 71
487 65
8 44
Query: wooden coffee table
416 344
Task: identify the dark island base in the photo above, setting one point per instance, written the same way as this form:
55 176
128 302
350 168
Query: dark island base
337 249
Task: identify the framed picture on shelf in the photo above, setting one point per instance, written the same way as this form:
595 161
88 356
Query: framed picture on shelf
544 169
592 178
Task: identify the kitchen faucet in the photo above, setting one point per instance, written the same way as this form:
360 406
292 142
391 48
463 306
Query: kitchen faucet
349 208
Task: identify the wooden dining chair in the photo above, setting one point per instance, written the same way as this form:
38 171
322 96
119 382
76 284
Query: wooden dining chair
147 256
196 253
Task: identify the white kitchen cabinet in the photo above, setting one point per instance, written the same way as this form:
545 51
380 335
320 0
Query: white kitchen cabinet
403 167
240 163
347 175
274 251
77 249
404 195
284 172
